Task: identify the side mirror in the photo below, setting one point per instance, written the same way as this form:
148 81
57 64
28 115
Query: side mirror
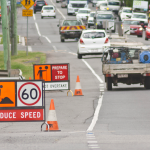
58 25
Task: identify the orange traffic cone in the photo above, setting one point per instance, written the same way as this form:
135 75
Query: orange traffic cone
78 90
52 119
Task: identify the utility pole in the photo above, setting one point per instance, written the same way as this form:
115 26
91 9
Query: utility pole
13 28
6 39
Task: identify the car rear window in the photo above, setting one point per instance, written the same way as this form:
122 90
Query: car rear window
114 3
131 22
48 8
94 35
84 11
72 22
127 10
139 16
104 16
40 2
103 4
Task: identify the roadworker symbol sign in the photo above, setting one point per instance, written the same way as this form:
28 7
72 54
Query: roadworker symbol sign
27 3
7 94
42 72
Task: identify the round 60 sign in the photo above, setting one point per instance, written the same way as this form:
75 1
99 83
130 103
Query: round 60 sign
29 93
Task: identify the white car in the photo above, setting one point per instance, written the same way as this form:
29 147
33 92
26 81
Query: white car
142 17
48 11
92 42
91 19
83 13
125 13
103 6
99 2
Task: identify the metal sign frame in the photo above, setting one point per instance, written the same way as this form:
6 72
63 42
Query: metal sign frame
51 75
26 107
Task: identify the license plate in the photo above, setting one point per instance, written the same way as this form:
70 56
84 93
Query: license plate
72 32
94 50
122 75
132 31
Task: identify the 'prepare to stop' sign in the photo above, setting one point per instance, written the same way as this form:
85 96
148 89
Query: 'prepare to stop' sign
29 94
59 72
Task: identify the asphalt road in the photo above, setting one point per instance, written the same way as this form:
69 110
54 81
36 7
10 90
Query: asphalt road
119 120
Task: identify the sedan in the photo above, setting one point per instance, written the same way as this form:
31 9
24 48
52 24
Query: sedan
48 11
147 33
92 42
64 4
135 27
83 13
38 5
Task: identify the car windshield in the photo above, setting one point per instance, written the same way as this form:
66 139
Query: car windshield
48 8
114 3
83 11
139 16
131 22
127 10
94 35
40 2
104 16
92 14
72 22
103 4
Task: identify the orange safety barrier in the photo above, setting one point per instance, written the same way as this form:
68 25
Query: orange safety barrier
73 27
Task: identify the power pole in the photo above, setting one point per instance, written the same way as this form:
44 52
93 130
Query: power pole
13 28
6 39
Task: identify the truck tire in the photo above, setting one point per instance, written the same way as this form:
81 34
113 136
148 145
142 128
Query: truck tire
109 84
146 38
79 56
89 26
147 82
62 39
139 35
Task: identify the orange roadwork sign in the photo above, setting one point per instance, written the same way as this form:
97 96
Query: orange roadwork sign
7 94
73 27
42 72
27 3
27 12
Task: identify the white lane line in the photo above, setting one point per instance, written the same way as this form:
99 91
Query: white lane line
93 145
47 38
34 17
58 10
55 48
37 29
100 80
29 48
92 142
96 114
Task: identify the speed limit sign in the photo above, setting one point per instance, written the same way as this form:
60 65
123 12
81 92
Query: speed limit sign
29 93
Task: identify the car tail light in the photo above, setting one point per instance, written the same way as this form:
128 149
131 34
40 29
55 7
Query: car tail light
35 4
146 74
81 41
62 31
109 75
106 41
42 11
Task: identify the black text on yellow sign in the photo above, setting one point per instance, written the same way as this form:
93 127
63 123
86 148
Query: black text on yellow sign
27 12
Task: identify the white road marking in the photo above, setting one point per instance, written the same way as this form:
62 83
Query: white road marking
29 48
96 114
92 141
55 48
23 41
37 29
47 38
93 145
100 80
34 17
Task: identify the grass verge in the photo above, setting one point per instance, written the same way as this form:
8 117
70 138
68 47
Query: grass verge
23 62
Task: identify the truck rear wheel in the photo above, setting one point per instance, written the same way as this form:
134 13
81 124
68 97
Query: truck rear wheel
147 83
109 84
62 39
79 56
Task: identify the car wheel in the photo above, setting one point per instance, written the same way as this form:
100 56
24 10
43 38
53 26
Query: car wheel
88 26
79 56
113 31
139 35
147 82
146 38
42 17
56 1
54 16
34 11
62 39
109 84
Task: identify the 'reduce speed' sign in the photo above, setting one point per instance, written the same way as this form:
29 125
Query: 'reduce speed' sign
56 76
22 101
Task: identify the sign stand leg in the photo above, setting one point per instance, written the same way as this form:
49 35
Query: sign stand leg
27 39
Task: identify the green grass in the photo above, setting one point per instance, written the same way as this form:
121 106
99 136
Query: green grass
24 63
1 42
19 5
